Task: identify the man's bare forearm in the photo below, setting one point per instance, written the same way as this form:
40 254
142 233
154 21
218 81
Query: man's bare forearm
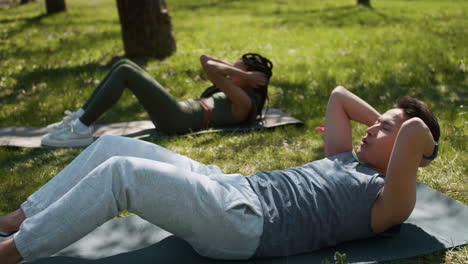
344 106
398 196
357 109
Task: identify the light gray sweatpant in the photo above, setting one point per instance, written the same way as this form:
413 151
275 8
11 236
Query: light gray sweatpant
218 214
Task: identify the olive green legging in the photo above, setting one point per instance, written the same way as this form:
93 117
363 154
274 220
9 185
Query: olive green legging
168 115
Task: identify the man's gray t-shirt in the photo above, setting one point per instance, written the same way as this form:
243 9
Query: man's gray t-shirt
316 205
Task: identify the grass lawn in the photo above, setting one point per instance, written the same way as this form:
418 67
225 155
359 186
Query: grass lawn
52 63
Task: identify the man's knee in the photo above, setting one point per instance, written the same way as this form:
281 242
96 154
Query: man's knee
117 166
116 161
107 146
107 140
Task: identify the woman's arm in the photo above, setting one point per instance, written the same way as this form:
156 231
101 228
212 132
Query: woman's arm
204 58
344 106
398 196
254 79
219 73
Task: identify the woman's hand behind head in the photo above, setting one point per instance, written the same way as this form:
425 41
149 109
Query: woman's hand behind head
256 79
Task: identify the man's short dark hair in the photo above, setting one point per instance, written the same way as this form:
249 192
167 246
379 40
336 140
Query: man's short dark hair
413 107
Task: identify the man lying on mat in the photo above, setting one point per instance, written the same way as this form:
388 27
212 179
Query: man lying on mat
345 196
237 96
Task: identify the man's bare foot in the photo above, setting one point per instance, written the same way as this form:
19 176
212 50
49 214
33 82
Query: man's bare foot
9 253
11 222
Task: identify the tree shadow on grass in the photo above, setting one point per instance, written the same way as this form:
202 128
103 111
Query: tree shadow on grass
27 79
27 161
54 78
202 5
300 99
27 22
340 16
82 40
308 101
386 93
30 20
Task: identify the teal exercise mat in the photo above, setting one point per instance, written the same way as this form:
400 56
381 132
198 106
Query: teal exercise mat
30 137
437 223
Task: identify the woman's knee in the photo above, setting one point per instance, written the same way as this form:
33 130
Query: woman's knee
125 68
119 63
128 65
122 61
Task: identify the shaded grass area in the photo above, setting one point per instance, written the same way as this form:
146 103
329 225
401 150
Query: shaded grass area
52 63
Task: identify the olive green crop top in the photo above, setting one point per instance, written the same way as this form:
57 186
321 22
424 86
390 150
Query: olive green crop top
221 106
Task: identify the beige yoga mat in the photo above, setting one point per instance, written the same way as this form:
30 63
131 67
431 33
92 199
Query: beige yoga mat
30 137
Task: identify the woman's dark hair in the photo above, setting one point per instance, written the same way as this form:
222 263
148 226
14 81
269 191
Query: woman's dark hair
256 62
413 107
252 62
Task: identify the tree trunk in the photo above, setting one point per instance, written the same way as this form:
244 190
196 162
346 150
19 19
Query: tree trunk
55 6
146 28
364 3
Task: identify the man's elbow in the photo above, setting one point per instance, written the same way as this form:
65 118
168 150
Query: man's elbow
338 92
402 212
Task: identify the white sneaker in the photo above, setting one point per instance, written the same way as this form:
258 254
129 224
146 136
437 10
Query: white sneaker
67 137
69 117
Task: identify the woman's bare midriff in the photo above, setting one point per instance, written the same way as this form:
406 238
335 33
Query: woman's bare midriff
207 113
